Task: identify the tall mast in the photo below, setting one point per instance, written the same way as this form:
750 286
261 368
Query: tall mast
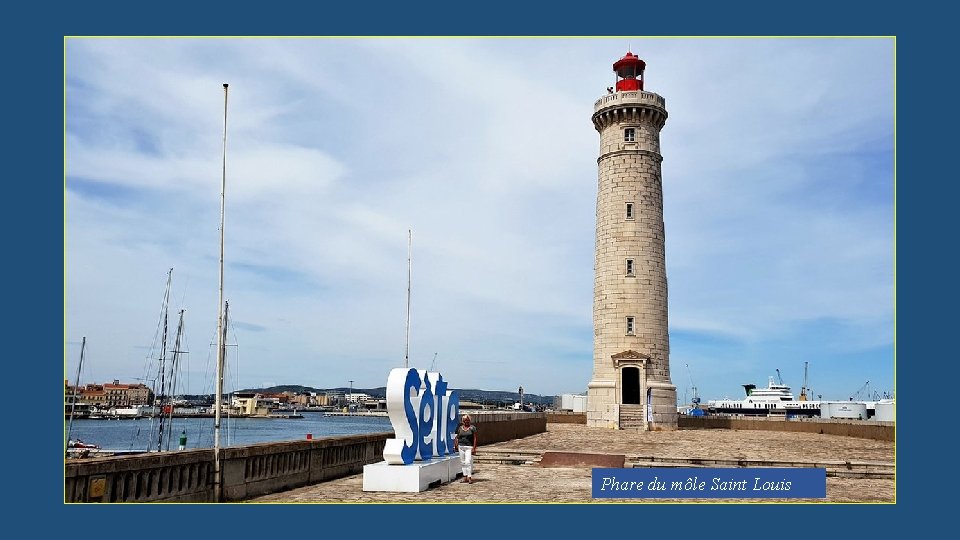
163 357
406 350
173 380
76 387
220 326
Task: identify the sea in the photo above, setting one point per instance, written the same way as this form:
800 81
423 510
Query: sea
141 434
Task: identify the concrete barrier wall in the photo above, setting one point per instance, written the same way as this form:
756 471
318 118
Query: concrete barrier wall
566 418
494 427
251 471
868 429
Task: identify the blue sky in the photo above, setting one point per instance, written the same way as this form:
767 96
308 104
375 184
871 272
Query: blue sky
778 208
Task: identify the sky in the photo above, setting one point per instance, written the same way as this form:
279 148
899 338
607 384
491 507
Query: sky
778 186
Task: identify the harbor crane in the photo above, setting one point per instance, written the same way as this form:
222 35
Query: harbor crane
695 409
696 397
779 378
803 389
860 390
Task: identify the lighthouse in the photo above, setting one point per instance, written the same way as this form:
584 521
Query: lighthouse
630 386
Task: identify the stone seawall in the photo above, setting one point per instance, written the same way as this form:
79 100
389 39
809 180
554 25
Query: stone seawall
878 431
248 471
255 470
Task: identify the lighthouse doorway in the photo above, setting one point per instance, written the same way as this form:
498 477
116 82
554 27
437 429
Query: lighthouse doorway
630 385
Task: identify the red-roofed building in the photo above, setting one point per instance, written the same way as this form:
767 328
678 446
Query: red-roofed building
114 394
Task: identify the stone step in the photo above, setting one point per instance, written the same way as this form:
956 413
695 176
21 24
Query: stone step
505 460
746 462
507 457
834 468
831 471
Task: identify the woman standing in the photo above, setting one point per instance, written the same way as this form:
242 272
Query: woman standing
466 443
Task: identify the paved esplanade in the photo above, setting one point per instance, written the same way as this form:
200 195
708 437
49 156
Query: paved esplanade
534 484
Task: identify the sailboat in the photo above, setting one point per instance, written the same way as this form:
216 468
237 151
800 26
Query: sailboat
161 412
166 409
76 447
163 358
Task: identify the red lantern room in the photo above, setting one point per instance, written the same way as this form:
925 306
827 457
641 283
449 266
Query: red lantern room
629 71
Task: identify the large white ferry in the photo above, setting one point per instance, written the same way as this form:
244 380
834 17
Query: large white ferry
774 400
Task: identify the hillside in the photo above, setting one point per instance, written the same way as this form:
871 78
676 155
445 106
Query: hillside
471 394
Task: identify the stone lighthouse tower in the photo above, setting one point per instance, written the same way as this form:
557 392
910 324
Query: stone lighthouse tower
631 385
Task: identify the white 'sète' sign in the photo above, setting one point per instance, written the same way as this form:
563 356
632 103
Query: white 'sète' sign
424 415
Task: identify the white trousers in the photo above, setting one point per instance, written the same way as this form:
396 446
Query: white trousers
466 460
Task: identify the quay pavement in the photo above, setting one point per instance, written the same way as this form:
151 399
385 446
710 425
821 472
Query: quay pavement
531 483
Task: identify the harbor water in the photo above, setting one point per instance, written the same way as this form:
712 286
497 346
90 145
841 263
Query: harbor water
141 434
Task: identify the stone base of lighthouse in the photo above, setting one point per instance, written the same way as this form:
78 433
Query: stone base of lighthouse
656 410
664 408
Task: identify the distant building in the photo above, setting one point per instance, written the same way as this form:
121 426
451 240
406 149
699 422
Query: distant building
72 405
252 404
571 402
279 398
328 399
375 404
358 397
331 399
302 400
115 394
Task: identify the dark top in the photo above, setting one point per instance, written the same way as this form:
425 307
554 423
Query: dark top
465 435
